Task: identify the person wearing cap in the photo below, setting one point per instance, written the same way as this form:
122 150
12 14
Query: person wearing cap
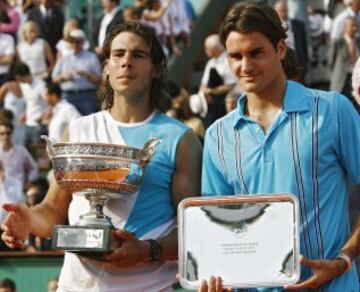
79 75
286 138
217 79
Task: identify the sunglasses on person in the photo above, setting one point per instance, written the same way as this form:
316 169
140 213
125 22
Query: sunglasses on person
8 133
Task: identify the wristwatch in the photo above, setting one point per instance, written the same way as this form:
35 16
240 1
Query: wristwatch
155 251
343 256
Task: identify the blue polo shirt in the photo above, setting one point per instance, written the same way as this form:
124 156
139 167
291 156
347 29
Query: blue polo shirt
310 150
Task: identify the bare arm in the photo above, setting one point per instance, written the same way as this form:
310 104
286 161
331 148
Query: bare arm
3 91
186 183
352 246
154 15
38 220
49 56
51 211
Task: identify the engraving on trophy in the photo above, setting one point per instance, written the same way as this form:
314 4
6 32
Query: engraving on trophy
98 172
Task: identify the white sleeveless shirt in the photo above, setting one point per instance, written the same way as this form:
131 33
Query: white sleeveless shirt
33 55
83 274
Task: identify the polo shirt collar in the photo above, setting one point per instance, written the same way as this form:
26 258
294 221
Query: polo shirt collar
296 100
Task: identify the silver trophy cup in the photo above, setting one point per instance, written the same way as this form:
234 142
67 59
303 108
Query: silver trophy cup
99 172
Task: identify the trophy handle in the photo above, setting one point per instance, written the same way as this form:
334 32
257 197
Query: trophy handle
49 145
148 151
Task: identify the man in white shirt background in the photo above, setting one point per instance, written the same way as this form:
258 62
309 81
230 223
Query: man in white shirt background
17 161
7 55
32 90
59 113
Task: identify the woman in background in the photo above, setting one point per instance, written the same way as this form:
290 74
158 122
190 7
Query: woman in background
35 51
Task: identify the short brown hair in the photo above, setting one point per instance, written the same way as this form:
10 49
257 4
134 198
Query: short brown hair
157 56
249 17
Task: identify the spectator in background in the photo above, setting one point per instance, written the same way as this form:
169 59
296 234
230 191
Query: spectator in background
7 55
17 161
132 13
6 115
23 9
52 285
64 47
180 110
217 79
190 11
50 20
10 192
32 90
356 83
231 100
79 75
13 100
9 19
7 285
112 15
316 27
35 51
296 35
338 25
291 65
59 113
179 22
35 193
343 54
156 16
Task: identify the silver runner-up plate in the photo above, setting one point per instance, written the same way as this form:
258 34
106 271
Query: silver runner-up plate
249 241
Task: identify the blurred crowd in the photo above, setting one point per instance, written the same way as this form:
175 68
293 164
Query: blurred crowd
8 285
50 72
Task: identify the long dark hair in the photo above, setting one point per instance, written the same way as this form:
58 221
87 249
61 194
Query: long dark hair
157 56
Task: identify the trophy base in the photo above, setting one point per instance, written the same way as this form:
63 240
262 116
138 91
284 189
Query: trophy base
93 241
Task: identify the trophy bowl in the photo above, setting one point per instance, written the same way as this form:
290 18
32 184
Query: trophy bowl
99 172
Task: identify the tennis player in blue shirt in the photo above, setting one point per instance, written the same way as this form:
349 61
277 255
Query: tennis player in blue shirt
286 138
